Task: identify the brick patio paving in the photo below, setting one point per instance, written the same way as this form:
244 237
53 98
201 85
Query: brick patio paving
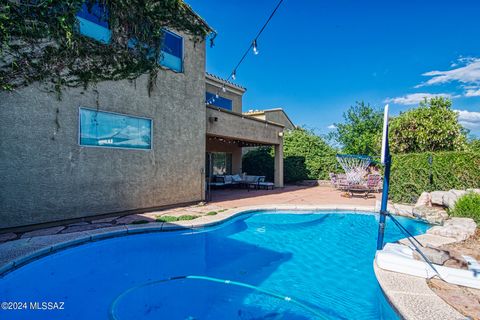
222 200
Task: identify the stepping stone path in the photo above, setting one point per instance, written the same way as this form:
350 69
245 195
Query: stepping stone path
42 232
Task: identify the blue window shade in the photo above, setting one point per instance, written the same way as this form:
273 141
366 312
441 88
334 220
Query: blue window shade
106 129
172 51
94 23
220 102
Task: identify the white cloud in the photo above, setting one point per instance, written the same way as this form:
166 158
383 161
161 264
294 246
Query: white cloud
472 92
415 98
467 74
469 119
332 127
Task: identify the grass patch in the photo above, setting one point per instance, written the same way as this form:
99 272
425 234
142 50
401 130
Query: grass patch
223 210
187 217
139 222
173 219
212 213
468 206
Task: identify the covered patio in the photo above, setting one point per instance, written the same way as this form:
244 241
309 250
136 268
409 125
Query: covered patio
228 133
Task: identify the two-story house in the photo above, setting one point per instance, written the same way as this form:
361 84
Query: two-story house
116 149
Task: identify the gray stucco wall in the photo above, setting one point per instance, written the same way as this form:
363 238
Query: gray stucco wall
279 117
241 127
47 176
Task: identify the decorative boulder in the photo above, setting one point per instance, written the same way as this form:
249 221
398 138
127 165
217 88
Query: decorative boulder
437 197
458 228
451 197
424 200
433 215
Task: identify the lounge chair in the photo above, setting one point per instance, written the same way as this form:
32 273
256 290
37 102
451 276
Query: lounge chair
263 184
251 181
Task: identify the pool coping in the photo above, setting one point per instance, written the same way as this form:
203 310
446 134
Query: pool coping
17 253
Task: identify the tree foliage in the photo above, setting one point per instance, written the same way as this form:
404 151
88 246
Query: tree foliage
433 126
318 154
474 145
40 40
305 154
360 133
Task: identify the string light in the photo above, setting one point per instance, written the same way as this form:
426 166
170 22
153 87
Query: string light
253 45
255 48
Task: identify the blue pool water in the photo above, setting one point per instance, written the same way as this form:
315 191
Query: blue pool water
280 266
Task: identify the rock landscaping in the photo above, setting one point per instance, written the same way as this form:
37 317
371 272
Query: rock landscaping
432 206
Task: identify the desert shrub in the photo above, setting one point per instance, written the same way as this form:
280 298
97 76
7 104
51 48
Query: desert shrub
413 174
468 206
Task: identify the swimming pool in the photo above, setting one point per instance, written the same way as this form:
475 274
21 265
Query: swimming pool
259 266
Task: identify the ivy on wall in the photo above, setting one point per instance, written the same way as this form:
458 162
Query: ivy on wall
40 41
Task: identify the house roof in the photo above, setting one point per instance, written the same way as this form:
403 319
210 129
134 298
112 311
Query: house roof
262 112
199 18
220 81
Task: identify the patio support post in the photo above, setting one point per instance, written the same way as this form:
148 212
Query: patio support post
278 175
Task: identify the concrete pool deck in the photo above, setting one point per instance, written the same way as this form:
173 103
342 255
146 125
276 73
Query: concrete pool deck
415 301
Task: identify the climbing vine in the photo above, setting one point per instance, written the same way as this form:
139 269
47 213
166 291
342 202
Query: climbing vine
40 41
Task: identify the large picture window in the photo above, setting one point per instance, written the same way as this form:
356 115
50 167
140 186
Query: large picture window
106 129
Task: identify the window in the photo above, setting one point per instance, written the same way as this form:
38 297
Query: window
94 22
106 129
220 102
172 51
221 163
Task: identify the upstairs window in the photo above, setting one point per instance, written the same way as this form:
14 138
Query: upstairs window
220 102
94 22
172 51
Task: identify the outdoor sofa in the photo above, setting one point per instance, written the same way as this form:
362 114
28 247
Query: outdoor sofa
247 181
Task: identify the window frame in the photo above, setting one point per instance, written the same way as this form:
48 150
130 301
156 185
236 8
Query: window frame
118 114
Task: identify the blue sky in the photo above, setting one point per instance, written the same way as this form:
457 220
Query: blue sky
318 57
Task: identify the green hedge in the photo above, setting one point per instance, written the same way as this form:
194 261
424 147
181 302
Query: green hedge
412 173
261 162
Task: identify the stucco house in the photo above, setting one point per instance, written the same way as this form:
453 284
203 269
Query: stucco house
277 115
116 149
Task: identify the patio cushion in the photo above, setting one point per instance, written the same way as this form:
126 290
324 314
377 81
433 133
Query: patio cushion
228 179
236 178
